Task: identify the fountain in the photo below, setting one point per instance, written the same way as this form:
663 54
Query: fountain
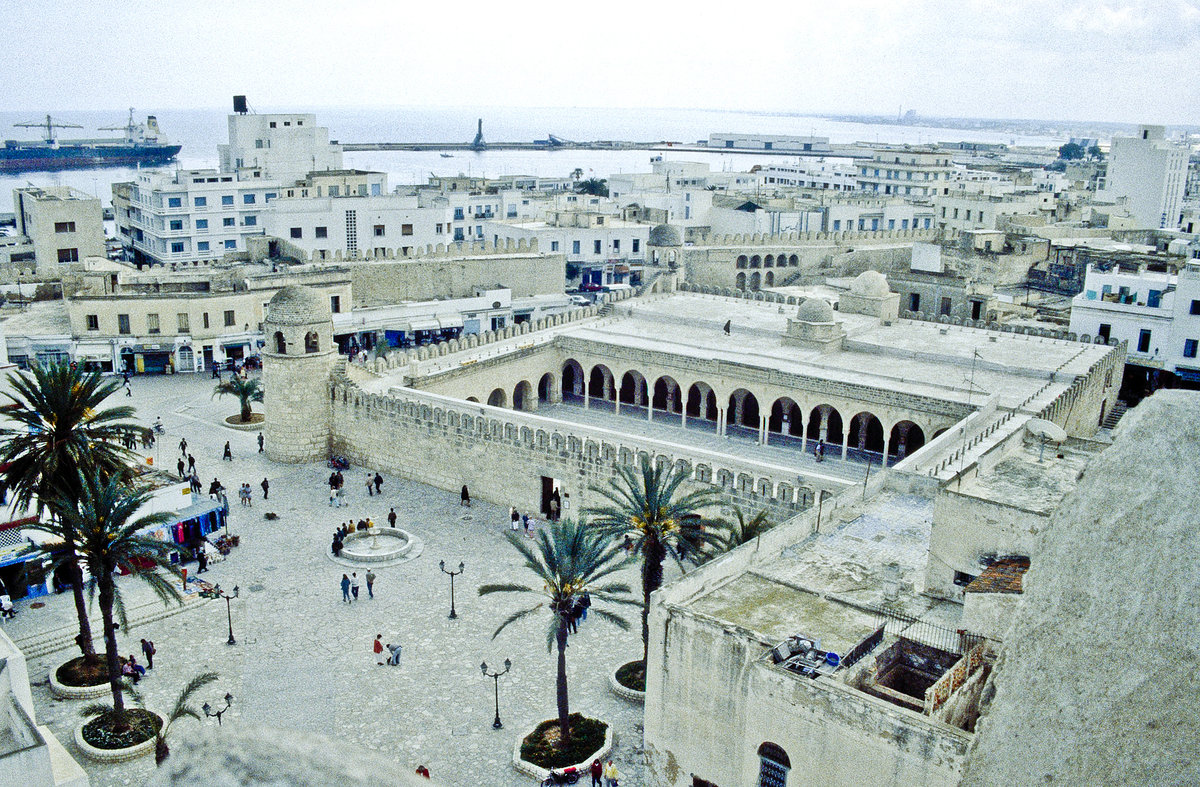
378 546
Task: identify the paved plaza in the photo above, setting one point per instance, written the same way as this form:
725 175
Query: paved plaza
303 658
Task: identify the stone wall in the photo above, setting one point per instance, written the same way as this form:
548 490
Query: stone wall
456 275
966 528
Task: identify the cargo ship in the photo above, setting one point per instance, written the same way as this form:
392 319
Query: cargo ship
142 144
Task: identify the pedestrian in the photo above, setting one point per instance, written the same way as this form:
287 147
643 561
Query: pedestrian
148 651
554 509
574 614
128 392
7 610
345 588
392 518
422 771
266 487
332 481
341 497
370 485
394 659
370 583
332 496
585 601
528 527
249 496
514 516
628 544
260 442
610 774
228 455
378 483
465 497
131 669
596 770
354 584
195 479
191 463
183 446
337 546
377 647
181 466
201 559
728 325
216 371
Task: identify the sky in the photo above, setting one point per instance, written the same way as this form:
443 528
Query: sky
1105 60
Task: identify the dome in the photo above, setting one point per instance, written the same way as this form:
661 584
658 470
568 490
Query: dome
815 310
296 305
664 235
871 284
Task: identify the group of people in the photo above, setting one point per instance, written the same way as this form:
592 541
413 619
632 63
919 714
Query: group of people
607 771
346 528
350 586
578 611
393 651
374 484
134 671
520 520
337 495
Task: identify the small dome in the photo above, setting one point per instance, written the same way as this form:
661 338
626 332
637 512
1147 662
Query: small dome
872 284
664 235
815 310
296 305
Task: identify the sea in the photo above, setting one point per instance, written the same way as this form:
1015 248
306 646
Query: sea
201 130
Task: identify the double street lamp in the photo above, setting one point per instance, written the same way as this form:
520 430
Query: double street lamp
209 712
452 574
227 596
495 676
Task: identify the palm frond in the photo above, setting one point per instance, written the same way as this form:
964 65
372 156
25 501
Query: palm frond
513 618
616 620
504 587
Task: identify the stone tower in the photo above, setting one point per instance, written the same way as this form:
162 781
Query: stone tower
297 361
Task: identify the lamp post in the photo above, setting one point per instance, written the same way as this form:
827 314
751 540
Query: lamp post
453 574
495 676
208 711
229 614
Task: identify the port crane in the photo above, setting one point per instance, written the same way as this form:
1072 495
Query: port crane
47 124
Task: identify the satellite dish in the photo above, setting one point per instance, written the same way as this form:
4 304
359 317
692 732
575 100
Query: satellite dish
1045 432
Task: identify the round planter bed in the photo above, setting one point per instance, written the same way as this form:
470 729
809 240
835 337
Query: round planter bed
624 671
124 754
253 425
538 772
69 692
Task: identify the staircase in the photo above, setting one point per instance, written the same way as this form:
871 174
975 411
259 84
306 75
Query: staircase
1114 415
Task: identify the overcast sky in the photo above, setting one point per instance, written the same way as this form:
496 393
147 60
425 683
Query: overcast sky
1108 60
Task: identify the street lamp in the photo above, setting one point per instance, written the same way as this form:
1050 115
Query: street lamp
208 711
228 596
453 574
495 676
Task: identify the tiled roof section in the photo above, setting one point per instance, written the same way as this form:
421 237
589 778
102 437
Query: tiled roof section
1003 576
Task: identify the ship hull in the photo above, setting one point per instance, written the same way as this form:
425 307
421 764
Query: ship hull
48 159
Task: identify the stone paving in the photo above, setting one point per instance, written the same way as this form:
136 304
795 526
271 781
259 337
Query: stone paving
303 658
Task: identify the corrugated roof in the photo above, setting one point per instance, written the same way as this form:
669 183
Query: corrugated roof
1003 576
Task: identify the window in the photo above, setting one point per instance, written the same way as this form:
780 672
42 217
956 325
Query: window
227 199
773 766
335 191
251 221
595 247
229 321
914 302
379 231
123 324
574 247
553 245
945 306
231 244
177 247
152 323
228 221
437 229
270 196
247 199
837 225
204 319
1154 299
406 229
1143 341
1189 348
637 245
68 255
1105 331
200 202
93 322
296 232
174 202
64 226
202 245
321 232
201 224
182 322
458 214
176 224
1195 308
272 124
258 143
616 246
335 304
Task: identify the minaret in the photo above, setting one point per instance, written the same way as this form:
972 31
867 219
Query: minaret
297 361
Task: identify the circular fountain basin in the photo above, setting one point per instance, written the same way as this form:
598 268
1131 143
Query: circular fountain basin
377 546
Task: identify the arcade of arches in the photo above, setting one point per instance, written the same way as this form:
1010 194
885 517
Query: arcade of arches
765 278
852 433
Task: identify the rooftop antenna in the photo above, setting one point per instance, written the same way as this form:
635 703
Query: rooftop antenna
47 124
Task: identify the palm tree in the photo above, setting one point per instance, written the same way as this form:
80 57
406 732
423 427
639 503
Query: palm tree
659 518
568 559
100 524
63 433
744 530
597 187
181 709
247 391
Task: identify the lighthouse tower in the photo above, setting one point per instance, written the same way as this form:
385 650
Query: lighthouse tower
297 360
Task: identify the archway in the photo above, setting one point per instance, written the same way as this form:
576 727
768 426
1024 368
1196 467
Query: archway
701 403
785 412
793 261
280 343
633 388
866 433
546 389
667 395
742 260
572 379
497 398
755 280
755 261
773 765
311 343
769 279
472 399
906 438
523 396
769 261
743 409
600 383
825 424
740 281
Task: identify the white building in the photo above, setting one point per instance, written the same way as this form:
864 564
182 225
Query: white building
780 142
604 250
61 224
1149 174
353 224
832 174
283 147
906 171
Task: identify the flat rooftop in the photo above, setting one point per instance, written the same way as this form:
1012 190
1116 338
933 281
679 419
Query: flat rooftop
1021 480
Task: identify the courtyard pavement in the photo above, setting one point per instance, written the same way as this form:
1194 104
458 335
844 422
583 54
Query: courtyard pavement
303 659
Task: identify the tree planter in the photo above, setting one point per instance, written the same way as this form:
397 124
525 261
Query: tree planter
622 691
255 423
539 773
114 755
65 692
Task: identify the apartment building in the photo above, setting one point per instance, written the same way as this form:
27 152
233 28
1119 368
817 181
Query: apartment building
1148 175
599 248
906 171
60 225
